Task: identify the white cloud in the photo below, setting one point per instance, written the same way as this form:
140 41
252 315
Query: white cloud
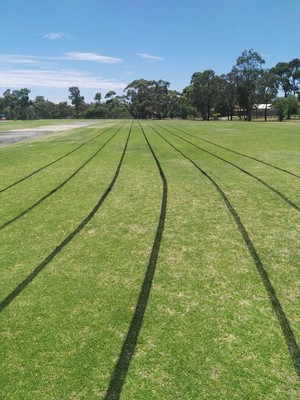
92 57
64 78
17 59
49 73
149 58
71 56
53 36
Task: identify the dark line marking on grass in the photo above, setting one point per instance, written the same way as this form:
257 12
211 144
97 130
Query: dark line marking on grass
52 162
118 377
240 154
281 195
5 224
286 329
4 303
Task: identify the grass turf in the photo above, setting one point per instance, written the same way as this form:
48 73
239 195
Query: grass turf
209 330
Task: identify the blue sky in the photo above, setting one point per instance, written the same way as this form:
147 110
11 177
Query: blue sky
101 45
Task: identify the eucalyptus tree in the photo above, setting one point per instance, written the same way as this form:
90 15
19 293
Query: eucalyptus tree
16 103
294 66
288 76
24 102
64 110
186 107
40 107
10 102
248 70
97 97
2 105
159 99
227 94
110 95
282 73
267 89
137 96
173 103
203 91
147 98
115 106
76 99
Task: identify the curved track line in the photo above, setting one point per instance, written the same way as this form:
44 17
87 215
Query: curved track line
118 377
286 329
5 224
240 154
4 303
52 162
281 195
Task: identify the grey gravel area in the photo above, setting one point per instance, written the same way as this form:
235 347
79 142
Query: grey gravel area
14 136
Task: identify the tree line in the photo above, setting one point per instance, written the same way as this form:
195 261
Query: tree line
208 95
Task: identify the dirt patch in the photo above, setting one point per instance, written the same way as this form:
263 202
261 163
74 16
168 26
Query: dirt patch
14 136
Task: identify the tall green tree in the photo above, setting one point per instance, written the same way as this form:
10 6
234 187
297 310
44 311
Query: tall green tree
64 110
288 76
227 94
294 66
10 103
291 106
2 105
138 95
173 103
76 99
286 106
248 70
23 102
160 99
266 89
110 95
97 98
40 107
147 98
203 91
186 107
17 103
282 73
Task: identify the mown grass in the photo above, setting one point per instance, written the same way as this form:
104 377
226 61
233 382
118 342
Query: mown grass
210 330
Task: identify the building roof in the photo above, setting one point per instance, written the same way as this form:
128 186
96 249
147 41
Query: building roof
262 106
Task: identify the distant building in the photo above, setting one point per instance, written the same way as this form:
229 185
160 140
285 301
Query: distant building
259 110
2 117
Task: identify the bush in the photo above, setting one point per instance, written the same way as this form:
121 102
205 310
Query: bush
285 107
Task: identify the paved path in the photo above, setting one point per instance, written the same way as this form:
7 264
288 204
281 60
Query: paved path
14 136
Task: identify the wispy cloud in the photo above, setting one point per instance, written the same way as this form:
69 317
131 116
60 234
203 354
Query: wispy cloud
18 59
54 72
6 59
53 36
149 58
92 57
60 78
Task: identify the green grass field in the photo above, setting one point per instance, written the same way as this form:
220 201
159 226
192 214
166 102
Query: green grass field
151 260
